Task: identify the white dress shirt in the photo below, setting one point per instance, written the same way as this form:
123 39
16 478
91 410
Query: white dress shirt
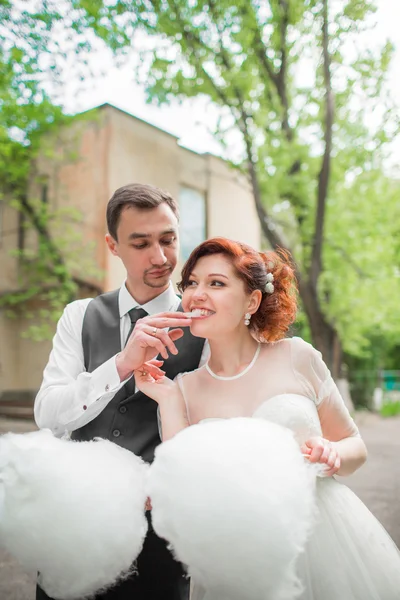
69 397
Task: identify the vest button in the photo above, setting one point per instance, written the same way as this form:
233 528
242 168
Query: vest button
123 409
116 433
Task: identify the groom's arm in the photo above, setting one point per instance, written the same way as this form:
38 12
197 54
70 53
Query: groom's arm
69 397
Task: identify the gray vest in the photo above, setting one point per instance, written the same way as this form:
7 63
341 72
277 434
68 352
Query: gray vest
129 420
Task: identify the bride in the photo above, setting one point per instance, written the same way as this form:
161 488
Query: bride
243 302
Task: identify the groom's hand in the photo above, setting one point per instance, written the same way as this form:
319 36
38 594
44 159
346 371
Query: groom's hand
149 338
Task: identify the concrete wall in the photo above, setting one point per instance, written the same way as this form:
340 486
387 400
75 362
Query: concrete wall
9 352
232 213
21 359
9 224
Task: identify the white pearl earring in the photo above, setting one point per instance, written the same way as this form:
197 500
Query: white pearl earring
247 318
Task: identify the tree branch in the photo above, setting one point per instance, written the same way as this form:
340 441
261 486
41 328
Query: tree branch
282 74
267 224
46 287
259 46
242 120
324 174
226 60
195 43
277 78
349 259
57 266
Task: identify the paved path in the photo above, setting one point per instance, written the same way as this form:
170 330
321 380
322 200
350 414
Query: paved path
377 484
15 584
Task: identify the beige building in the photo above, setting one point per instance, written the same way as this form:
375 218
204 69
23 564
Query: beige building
77 172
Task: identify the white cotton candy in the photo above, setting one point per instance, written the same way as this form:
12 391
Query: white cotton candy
72 511
235 500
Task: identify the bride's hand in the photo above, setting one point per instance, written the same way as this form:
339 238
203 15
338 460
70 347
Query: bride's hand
151 380
320 450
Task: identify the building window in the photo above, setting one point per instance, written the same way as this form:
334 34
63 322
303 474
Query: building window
193 222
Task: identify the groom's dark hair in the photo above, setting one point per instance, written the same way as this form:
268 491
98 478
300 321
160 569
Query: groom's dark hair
136 195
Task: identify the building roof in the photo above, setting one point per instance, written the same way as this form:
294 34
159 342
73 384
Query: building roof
108 106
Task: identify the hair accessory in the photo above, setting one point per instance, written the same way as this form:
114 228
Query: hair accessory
247 318
269 286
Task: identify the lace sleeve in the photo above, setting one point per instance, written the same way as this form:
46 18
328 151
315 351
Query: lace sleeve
179 379
310 369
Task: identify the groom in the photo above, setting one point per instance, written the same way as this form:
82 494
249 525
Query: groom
88 388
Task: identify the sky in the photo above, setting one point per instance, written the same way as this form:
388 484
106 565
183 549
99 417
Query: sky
193 121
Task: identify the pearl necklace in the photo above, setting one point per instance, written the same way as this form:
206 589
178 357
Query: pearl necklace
246 370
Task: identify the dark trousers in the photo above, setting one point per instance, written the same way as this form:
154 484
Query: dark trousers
159 576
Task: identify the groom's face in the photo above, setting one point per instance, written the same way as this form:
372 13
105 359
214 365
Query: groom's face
147 244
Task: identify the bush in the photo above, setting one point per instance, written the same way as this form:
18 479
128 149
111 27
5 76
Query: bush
390 409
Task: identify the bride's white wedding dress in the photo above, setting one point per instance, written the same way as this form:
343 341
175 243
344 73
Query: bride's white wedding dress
349 555
49 489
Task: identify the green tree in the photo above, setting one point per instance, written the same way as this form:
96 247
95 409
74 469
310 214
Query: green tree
30 59
309 100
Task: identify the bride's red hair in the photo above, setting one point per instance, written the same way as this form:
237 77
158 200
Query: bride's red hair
277 311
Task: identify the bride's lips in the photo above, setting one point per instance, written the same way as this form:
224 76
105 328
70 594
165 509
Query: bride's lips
201 313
